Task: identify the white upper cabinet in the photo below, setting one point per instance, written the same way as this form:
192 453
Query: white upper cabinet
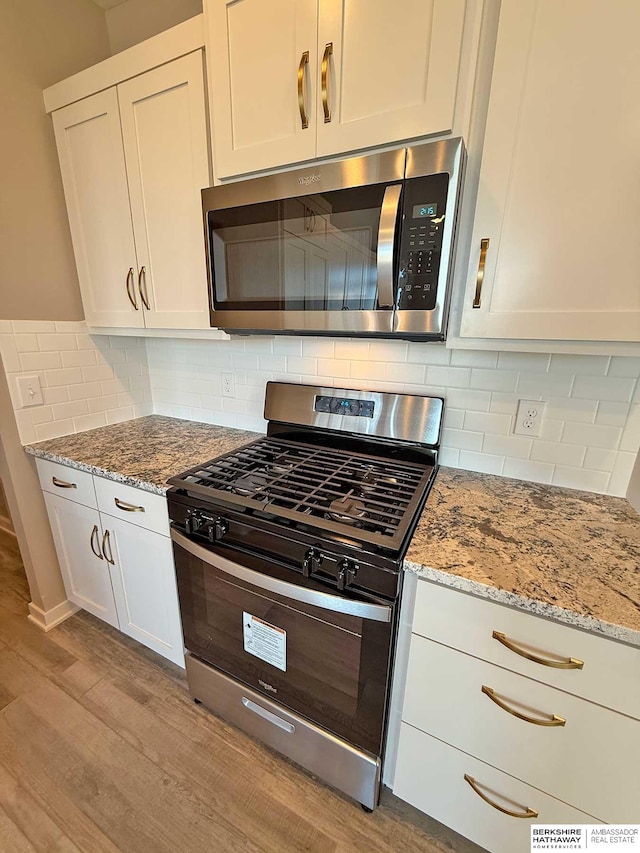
291 80
95 185
559 192
390 70
262 80
134 159
165 143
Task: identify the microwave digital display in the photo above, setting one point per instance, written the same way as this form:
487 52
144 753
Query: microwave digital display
423 211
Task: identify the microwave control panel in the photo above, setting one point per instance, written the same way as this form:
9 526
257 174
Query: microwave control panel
423 217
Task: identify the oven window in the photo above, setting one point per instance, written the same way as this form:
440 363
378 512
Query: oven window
316 252
335 665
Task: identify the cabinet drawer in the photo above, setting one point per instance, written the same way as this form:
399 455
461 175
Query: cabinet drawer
611 672
587 761
133 505
67 482
431 776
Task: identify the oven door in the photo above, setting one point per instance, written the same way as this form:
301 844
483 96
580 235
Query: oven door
324 656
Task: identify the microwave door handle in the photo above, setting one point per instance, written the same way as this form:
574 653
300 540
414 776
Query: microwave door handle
386 241
325 600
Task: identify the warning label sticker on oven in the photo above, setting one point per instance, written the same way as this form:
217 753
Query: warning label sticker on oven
265 641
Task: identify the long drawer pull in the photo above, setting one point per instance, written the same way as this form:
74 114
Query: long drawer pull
62 484
106 541
526 811
128 507
484 248
93 541
267 715
304 62
550 720
324 74
561 663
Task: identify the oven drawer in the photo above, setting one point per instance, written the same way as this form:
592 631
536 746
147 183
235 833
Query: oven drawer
431 776
569 761
355 772
133 505
67 482
611 671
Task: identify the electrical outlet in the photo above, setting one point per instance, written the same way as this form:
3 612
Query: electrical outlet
529 417
30 390
228 385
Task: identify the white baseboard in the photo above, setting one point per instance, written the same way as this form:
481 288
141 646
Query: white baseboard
48 619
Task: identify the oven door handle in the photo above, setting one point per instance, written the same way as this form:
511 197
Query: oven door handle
386 241
336 603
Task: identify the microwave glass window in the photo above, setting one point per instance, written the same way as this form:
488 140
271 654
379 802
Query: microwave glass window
316 252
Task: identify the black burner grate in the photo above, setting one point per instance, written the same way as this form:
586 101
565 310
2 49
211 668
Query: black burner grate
366 497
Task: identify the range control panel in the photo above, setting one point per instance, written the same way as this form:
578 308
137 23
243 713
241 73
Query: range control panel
424 206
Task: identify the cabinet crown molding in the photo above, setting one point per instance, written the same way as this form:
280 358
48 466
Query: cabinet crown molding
179 40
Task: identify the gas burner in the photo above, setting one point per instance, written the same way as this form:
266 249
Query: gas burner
348 510
250 484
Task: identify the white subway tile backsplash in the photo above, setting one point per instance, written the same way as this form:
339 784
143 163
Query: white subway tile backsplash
494 380
491 422
588 438
525 469
592 435
577 364
580 478
601 388
558 453
449 377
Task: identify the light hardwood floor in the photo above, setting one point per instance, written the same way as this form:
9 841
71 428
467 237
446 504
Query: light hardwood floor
102 750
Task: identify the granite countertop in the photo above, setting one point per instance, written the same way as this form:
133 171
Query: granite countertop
568 555
143 452
571 556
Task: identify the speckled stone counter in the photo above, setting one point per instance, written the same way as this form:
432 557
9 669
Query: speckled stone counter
571 556
144 452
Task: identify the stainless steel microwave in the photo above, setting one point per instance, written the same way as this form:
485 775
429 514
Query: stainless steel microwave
359 247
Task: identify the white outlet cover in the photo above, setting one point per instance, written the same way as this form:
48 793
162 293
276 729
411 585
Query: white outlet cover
529 417
29 390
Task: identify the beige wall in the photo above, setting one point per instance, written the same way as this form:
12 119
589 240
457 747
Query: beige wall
41 42
136 20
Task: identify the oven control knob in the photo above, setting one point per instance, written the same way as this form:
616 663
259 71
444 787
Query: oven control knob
192 522
219 528
347 570
312 562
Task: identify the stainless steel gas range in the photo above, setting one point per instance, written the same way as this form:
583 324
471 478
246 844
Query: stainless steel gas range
289 555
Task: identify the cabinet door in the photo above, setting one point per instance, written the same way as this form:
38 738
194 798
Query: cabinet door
164 131
255 51
391 70
144 584
559 198
95 185
77 535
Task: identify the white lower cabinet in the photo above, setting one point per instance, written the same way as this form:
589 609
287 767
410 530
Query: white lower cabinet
437 779
508 719
144 586
120 571
78 535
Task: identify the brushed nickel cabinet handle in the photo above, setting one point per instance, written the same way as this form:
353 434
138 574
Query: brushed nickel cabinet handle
130 292
93 541
561 663
304 62
526 811
106 541
62 484
128 507
484 246
548 720
328 50
142 287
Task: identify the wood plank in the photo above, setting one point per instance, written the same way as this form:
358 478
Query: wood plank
134 803
35 646
13 840
242 794
26 814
